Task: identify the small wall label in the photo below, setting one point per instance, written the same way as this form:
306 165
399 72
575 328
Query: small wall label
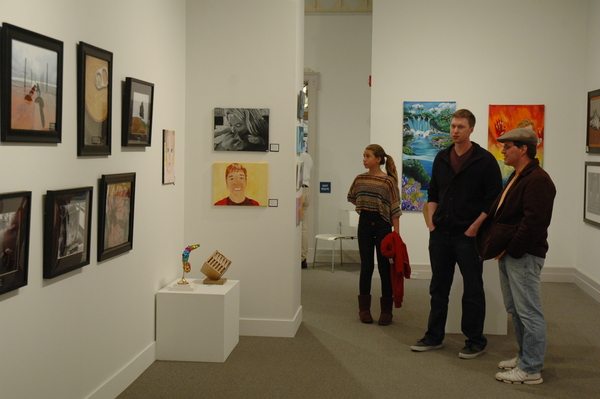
325 187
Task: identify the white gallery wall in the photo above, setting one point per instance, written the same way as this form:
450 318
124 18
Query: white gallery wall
475 53
247 55
338 46
93 328
480 53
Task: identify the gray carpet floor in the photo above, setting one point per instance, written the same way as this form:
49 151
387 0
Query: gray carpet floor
333 355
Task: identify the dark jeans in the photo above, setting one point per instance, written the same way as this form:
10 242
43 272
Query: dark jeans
371 230
445 250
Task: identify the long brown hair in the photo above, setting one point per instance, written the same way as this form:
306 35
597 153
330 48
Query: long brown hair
387 160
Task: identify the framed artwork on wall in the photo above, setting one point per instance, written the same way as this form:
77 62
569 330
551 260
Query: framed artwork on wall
241 129
31 73
168 157
15 216
426 132
67 226
592 137
115 215
241 184
299 139
94 100
138 102
504 118
591 199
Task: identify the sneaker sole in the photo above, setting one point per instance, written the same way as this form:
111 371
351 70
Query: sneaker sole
424 348
527 382
470 356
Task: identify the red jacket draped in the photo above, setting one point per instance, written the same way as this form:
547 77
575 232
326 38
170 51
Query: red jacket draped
394 248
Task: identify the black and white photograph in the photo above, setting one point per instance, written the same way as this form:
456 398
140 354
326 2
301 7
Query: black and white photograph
241 129
67 221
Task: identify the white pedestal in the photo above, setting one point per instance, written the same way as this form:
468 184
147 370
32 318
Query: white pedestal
496 319
197 322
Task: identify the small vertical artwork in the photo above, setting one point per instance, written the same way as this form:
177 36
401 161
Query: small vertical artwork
299 210
241 183
168 156
503 118
241 129
299 139
425 132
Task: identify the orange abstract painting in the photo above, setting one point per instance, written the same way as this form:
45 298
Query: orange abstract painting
503 118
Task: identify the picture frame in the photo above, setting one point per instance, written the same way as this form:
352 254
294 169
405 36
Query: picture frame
31 81
168 175
300 105
115 214
94 100
592 136
67 230
15 220
241 129
137 106
240 184
591 199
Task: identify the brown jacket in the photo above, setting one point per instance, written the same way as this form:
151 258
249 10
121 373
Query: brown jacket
521 223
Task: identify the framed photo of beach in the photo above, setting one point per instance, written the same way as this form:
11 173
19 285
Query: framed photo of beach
15 216
31 73
115 215
67 232
94 100
138 102
592 136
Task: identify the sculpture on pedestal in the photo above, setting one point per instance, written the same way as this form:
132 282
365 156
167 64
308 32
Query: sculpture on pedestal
186 265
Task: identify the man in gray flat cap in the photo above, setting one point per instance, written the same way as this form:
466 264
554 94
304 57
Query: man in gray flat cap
515 232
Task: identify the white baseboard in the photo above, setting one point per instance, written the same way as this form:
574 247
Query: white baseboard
124 377
271 328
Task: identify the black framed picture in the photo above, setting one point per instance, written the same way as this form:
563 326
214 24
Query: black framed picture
241 129
592 137
94 100
15 216
591 201
67 226
115 215
31 73
138 101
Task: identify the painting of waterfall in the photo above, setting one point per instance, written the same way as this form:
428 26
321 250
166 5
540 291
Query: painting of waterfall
503 118
425 131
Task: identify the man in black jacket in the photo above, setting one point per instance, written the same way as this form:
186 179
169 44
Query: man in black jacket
516 233
465 182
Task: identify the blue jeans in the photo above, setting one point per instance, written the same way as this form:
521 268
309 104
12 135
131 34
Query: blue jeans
446 249
521 289
371 230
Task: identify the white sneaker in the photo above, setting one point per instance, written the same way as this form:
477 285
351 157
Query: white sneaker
509 364
518 376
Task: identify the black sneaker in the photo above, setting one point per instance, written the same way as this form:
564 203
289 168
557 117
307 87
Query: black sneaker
424 345
470 351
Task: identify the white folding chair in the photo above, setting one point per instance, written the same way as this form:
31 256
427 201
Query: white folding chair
351 218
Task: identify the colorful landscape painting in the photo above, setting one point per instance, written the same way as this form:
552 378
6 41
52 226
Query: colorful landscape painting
503 118
425 131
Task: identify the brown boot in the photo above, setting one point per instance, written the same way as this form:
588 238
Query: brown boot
364 307
386 311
